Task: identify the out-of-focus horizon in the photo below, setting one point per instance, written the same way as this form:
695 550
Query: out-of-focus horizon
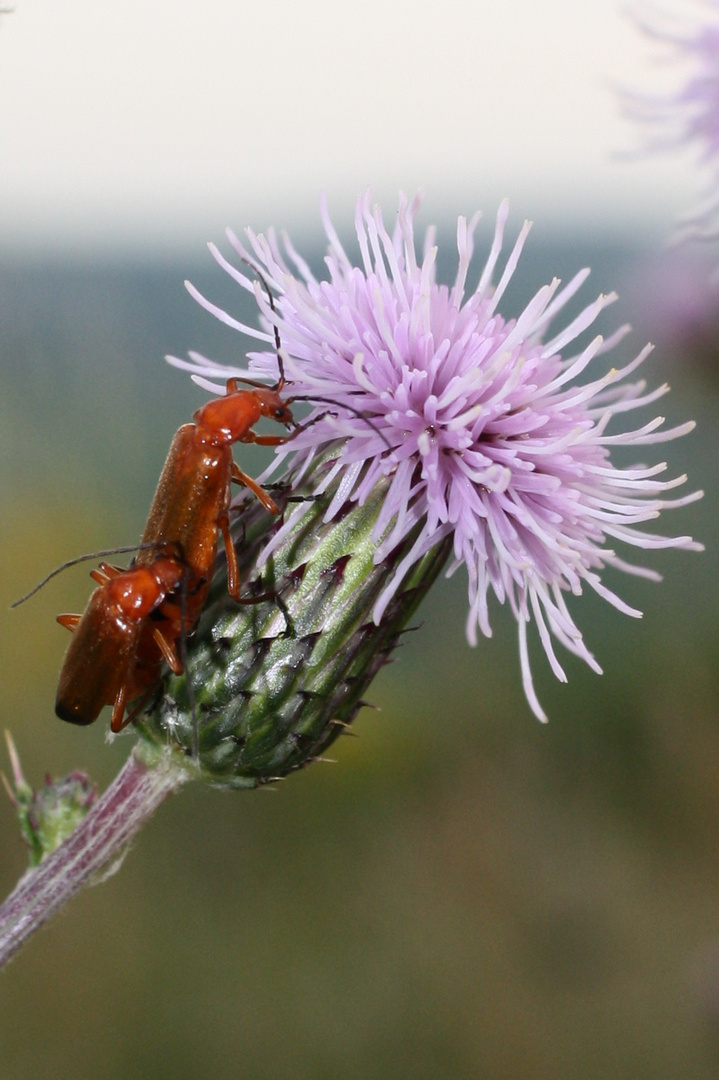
149 128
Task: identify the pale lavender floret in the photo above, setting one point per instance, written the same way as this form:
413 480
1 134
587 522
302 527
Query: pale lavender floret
480 425
688 116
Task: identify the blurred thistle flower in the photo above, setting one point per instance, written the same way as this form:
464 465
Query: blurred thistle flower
475 423
688 116
678 298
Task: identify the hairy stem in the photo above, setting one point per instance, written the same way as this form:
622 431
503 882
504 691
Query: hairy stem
98 842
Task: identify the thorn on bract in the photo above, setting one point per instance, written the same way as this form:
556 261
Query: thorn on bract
346 729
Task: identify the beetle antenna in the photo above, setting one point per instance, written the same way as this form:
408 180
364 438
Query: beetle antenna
328 401
93 555
282 381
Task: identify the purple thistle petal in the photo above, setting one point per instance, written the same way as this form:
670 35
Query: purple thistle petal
480 426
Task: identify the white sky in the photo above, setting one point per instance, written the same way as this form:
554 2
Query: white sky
160 122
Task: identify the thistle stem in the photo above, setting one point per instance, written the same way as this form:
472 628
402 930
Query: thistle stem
100 840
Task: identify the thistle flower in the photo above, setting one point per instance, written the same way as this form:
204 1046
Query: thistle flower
476 425
688 116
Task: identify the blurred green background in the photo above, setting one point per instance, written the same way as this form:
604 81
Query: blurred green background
467 893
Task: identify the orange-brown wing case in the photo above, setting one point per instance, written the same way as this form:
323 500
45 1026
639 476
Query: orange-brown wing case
192 496
97 662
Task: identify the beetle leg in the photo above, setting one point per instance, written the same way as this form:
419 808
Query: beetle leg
264 440
105 572
242 478
118 709
170 656
233 569
140 705
69 621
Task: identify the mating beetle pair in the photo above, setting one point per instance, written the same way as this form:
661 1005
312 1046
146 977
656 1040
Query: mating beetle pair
137 617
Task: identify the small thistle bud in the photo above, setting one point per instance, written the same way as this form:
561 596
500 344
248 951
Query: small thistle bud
48 816
273 682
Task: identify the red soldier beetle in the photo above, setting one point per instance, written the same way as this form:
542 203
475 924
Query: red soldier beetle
132 623
117 647
191 504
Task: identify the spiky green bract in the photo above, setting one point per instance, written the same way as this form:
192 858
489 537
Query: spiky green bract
276 681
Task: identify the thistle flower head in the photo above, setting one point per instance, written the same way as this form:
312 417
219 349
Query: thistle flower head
688 116
488 430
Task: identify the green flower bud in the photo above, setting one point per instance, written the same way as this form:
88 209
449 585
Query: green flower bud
48 816
270 684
